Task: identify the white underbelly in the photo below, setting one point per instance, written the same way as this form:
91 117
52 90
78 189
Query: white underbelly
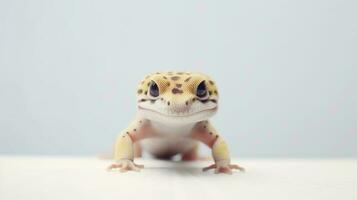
167 146
173 140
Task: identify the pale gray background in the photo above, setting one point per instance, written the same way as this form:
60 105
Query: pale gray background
286 71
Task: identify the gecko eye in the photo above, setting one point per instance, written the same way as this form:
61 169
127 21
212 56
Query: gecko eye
201 90
154 89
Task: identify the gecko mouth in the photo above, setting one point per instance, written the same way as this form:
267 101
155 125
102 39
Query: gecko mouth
179 115
177 118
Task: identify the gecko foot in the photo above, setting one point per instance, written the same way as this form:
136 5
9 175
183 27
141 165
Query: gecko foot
223 166
125 165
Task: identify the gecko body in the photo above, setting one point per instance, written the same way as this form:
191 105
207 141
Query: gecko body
173 111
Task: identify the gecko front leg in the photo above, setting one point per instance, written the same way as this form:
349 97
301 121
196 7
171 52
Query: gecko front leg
124 145
205 132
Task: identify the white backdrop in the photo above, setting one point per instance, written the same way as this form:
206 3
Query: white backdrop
286 71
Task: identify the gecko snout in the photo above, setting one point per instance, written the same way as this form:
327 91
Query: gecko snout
183 106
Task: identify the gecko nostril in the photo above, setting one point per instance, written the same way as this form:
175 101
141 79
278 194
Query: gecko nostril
186 103
168 103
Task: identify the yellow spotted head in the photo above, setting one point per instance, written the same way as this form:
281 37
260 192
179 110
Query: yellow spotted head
177 97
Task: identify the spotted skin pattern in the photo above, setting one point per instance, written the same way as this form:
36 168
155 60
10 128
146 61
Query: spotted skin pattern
183 102
180 84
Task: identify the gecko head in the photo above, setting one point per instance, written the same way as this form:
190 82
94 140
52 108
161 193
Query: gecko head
177 97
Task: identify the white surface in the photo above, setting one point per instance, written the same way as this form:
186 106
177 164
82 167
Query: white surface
86 178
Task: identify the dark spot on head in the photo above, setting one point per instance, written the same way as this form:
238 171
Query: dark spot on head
187 79
161 99
176 91
217 136
175 78
127 132
146 92
164 77
215 92
179 73
210 92
186 103
148 83
157 72
178 85
140 121
214 100
140 91
210 133
168 103
193 99
204 127
123 136
211 82
134 129
142 100
168 84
